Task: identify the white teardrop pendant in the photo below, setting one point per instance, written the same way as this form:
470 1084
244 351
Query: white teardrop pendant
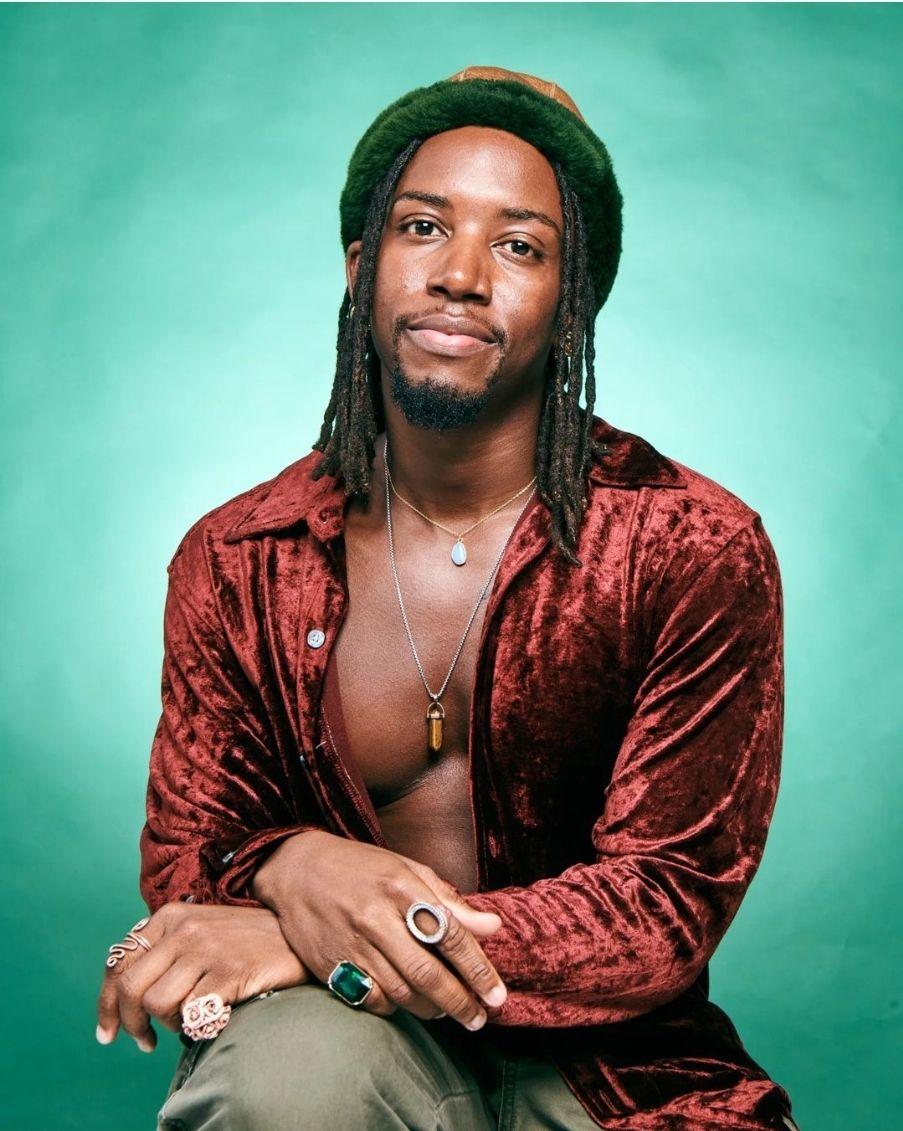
459 553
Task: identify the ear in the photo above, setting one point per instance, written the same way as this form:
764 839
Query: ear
352 262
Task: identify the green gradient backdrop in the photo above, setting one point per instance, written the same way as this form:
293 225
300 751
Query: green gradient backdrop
171 275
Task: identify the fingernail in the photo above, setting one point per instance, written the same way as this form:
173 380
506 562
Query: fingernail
144 1043
496 995
103 1035
478 1022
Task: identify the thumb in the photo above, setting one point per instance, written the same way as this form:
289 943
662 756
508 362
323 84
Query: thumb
482 923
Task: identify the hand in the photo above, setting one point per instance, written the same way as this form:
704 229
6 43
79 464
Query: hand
338 899
196 949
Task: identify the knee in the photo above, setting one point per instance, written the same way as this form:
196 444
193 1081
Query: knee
302 1058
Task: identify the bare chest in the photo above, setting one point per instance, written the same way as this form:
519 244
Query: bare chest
421 796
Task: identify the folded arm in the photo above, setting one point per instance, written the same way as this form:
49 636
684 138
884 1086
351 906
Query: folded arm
685 815
217 790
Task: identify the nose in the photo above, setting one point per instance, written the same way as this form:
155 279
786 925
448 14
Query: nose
460 270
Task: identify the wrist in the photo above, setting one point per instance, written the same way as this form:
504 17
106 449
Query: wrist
269 882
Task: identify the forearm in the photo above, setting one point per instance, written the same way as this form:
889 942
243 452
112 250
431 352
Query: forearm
270 884
600 943
217 869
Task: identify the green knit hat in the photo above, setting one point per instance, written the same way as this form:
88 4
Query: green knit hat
538 111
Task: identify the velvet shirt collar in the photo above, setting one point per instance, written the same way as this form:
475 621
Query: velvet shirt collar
294 496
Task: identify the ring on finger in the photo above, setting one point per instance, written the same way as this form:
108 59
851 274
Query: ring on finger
437 911
132 941
204 1018
349 982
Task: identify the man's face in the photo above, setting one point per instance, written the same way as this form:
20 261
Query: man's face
449 249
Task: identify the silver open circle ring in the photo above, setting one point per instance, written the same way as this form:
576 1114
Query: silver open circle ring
434 909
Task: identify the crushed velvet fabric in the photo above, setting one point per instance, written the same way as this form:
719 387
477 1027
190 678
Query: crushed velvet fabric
625 744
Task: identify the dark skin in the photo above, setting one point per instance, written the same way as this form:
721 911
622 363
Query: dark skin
464 259
460 260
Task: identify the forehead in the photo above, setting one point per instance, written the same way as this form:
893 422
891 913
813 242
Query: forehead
481 165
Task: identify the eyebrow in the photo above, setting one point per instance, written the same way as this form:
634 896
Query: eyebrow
505 213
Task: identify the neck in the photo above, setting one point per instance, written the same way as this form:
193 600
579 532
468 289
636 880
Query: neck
459 475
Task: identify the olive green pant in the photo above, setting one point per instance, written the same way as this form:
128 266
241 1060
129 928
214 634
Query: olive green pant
301 1059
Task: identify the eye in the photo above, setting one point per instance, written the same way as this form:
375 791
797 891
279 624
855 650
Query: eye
530 249
407 224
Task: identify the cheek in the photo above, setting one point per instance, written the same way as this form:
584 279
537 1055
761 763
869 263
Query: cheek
397 289
531 327
530 313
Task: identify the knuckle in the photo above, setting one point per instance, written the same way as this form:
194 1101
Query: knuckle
424 972
480 971
154 1004
456 936
381 1006
368 919
113 974
169 913
190 929
397 886
398 990
127 987
462 1006
430 876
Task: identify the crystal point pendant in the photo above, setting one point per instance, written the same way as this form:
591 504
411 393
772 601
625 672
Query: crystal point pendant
435 713
459 553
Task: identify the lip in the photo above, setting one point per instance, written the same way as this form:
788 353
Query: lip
448 345
451 324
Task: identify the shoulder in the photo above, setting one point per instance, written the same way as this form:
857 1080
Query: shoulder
207 539
673 493
706 511
707 552
681 520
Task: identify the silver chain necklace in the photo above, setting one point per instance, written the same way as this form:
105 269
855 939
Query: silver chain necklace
435 713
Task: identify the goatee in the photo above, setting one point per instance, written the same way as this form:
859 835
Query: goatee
437 405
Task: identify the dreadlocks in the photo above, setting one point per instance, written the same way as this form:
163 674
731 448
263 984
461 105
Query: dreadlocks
355 415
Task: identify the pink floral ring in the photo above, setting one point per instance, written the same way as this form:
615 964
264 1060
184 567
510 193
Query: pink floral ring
204 1018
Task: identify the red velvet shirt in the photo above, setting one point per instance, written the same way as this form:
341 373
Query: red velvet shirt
624 754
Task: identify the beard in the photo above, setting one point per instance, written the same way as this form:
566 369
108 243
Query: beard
434 404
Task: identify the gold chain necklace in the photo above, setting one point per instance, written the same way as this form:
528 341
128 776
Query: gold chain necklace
459 550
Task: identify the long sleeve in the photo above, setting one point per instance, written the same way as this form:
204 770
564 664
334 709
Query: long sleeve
216 793
685 814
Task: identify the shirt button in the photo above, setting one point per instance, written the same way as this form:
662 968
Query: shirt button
316 637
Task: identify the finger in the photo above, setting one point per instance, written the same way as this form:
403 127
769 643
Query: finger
394 988
132 987
463 951
458 946
209 983
108 1009
482 923
184 980
380 971
138 991
123 955
425 974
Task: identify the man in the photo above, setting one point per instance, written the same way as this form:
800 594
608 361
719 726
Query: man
510 822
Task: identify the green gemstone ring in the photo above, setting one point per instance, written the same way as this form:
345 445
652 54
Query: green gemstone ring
350 983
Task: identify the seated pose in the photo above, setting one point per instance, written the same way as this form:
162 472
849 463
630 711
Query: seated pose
472 715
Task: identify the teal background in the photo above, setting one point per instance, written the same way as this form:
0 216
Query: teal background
171 276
